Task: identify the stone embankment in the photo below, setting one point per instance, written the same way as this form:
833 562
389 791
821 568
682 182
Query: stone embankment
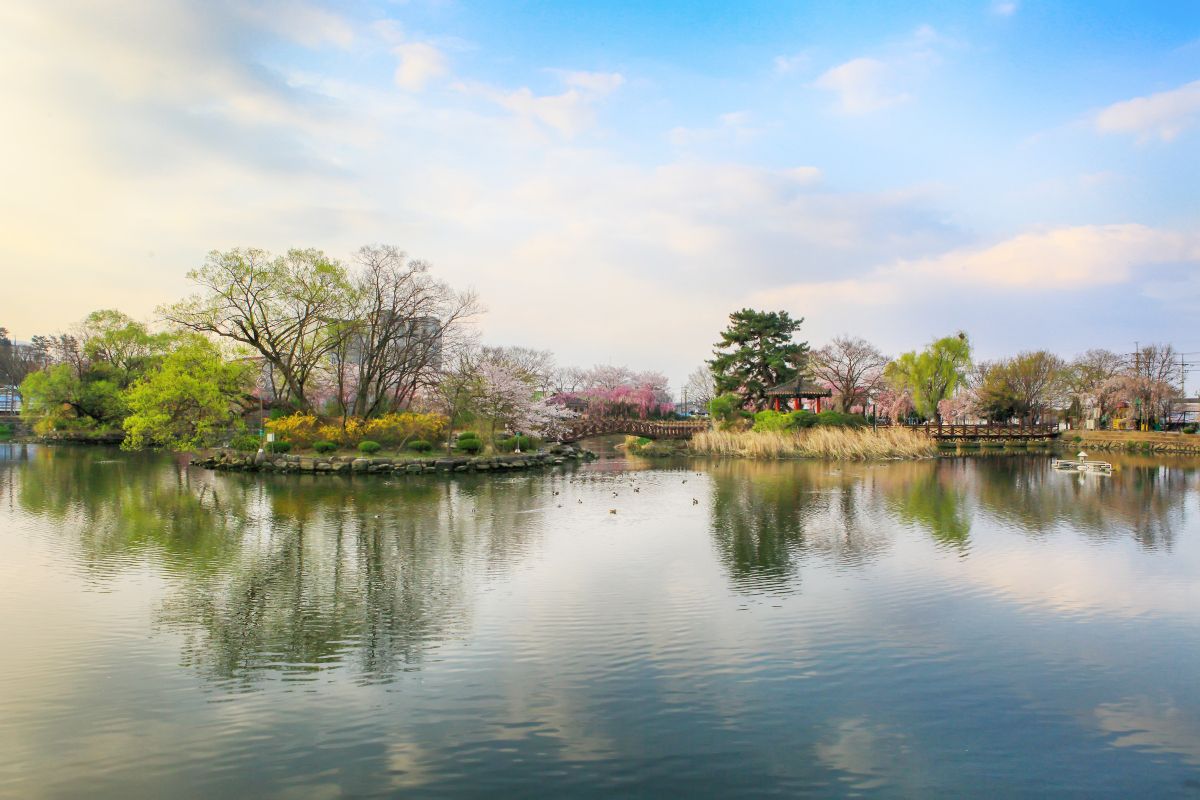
1144 441
230 461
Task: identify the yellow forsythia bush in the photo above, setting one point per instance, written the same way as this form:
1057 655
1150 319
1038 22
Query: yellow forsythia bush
390 429
299 429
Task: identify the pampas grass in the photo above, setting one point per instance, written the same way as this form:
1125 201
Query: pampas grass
818 442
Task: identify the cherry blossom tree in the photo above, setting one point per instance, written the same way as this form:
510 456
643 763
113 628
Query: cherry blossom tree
506 396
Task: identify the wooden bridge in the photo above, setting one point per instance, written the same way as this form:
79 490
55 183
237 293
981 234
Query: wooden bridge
685 429
647 429
949 432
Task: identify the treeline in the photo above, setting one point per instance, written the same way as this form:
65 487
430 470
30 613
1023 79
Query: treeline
940 382
374 346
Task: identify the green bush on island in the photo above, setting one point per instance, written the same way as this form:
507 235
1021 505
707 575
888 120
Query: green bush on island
797 420
245 444
1190 429
281 447
836 419
471 446
324 448
371 448
417 446
510 444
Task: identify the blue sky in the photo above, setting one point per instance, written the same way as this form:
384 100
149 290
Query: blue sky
616 178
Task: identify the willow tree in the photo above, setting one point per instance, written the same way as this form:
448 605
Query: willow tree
934 374
761 354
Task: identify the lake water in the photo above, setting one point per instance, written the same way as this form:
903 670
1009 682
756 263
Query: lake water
959 627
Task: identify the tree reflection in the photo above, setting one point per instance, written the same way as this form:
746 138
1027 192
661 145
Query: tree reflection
1143 498
767 517
931 495
285 575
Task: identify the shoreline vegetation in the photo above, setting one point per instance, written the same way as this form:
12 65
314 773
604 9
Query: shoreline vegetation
817 442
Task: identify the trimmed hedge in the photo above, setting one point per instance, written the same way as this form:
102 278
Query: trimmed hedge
281 447
419 446
370 448
324 447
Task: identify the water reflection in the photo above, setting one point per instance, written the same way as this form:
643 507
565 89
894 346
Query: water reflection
283 575
767 518
483 636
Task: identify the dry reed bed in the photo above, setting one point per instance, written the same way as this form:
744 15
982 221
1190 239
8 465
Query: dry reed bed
841 443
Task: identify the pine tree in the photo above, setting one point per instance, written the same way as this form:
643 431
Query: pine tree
762 355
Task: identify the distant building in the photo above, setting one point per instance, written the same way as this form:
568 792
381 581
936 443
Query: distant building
10 401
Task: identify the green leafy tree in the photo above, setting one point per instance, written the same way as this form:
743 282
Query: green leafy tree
1024 386
58 397
760 354
291 309
932 375
88 370
189 402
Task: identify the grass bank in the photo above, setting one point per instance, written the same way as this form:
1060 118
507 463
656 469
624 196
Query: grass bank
842 443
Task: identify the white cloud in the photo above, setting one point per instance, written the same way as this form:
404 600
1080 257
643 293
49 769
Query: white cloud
419 62
786 64
598 82
863 85
1004 8
1065 257
568 113
733 126
1165 113
304 23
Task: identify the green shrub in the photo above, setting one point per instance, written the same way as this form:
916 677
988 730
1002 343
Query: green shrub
471 446
1190 428
417 446
801 419
1078 438
281 447
770 421
245 443
324 447
510 444
370 448
5 431
468 435
836 419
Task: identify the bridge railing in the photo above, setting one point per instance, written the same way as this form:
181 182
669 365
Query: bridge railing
1007 430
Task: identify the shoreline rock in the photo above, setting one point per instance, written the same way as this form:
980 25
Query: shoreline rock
232 461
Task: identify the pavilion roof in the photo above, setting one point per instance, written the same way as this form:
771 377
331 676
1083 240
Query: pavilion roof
799 386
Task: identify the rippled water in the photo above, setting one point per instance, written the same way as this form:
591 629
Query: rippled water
948 628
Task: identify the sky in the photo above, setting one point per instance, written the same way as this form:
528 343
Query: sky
615 178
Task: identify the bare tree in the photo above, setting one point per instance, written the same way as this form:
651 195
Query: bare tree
853 368
568 380
701 388
1084 377
17 361
457 386
399 323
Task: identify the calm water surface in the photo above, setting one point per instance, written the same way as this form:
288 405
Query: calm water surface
947 628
